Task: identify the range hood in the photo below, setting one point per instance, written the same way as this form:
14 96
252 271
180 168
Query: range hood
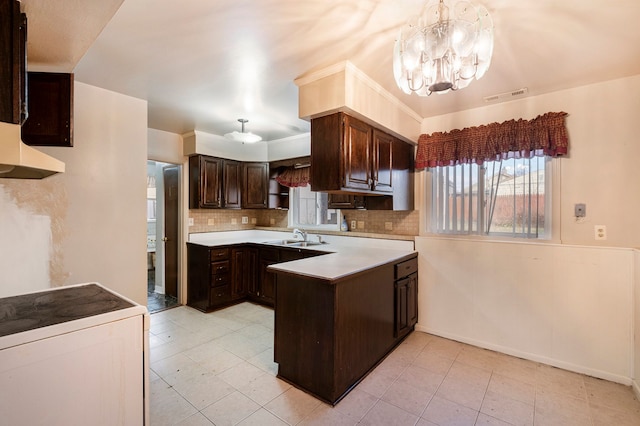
20 161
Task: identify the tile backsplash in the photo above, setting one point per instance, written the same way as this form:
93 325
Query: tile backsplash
367 221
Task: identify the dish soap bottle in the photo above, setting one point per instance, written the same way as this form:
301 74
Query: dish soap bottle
343 225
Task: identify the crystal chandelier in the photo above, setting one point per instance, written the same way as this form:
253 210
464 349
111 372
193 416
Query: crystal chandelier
244 137
444 48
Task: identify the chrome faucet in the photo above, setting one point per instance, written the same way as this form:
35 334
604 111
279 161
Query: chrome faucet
300 232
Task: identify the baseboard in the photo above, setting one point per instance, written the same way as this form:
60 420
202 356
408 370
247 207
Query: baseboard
627 381
636 389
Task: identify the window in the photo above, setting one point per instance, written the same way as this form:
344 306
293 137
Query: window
311 209
509 197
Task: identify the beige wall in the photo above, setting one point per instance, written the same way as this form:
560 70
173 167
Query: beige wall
636 343
572 301
601 169
97 208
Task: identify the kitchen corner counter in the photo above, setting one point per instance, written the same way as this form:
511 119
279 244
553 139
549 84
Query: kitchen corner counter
345 256
345 262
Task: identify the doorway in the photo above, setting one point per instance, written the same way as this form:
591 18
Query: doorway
163 183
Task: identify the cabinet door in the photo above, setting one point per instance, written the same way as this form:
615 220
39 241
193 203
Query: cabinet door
243 272
406 299
267 284
382 166
251 271
346 201
356 151
232 178
255 185
13 46
412 300
50 121
238 269
210 182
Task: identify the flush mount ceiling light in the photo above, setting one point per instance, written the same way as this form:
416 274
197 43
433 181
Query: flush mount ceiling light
444 48
244 137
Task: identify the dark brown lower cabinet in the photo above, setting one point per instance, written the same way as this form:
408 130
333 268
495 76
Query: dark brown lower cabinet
330 334
406 305
221 276
209 277
243 271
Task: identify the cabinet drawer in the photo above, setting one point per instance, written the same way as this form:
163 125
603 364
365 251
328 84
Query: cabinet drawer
219 268
219 254
406 268
219 279
220 295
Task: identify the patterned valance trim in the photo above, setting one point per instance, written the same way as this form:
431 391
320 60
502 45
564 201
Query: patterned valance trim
544 135
294 177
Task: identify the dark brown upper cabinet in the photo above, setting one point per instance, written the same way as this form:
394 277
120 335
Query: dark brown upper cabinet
13 62
346 201
232 184
349 155
255 191
50 101
205 182
216 183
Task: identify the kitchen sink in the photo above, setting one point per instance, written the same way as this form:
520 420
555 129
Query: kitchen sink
282 242
293 243
304 244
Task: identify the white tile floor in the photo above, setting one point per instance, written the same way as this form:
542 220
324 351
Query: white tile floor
218 369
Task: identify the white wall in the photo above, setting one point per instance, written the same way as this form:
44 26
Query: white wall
25 245
165 147
97 209
570 306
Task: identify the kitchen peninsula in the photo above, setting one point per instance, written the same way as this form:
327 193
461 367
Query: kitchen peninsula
337 315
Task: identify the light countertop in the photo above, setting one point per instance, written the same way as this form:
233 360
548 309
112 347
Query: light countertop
345 255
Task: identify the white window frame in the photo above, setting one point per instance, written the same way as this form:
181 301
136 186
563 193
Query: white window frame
552 231
294 206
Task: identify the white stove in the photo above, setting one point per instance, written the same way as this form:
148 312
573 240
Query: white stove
74 355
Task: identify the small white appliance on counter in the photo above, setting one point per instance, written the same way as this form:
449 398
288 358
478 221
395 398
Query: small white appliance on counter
74 355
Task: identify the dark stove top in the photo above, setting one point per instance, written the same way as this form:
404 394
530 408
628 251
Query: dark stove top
31 311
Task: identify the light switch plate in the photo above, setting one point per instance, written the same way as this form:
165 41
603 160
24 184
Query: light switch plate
190 221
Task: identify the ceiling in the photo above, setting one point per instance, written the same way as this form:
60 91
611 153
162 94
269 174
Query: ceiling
203 64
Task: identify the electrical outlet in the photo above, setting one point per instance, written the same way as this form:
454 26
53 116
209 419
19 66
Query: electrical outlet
353 224
190 221
211 222
245 220
234 221
361 224
388 226
600 232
